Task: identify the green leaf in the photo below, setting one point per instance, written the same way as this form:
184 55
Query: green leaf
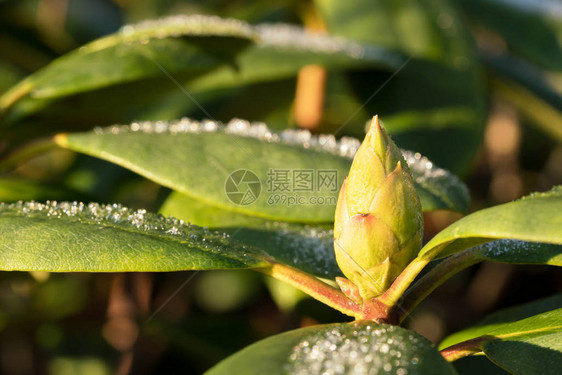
531 345
204 162
174 44
437 187
531 28
535 218
307 248
197 212
72 237
433 103
204 165
528 355
500 320
359 347
521 252
283 49
152 58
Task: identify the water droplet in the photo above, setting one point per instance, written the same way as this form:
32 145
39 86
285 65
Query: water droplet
175 26
284 36
120 217
361 351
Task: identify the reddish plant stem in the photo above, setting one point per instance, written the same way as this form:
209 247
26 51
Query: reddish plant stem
465 348
433 279
315 288
393 305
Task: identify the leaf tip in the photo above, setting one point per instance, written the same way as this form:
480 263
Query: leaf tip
61 139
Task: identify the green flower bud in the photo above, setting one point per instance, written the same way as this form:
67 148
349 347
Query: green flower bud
378 225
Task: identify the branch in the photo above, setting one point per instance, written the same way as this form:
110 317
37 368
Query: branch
402 282
465 348
314 288
434 278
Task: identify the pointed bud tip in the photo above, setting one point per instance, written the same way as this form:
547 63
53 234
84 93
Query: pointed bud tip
375 128
376 137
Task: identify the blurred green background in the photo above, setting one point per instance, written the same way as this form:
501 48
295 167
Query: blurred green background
480 93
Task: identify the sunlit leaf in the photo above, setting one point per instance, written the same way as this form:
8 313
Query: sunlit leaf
65 237
290 176
536 218
360 347
530 345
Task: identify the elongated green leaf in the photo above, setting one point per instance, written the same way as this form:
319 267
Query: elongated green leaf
528 355
536 218
68 237
531 28
438 188
360 347
240 173
183 49
521 252
433 103
513 320
528 346
199 213
136 52
305 247
283 49
291 176
524 311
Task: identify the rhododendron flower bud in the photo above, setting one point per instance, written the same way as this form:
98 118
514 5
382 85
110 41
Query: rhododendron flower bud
378 224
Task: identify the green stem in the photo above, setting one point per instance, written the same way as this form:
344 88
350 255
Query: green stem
434 278
402 282
314 287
